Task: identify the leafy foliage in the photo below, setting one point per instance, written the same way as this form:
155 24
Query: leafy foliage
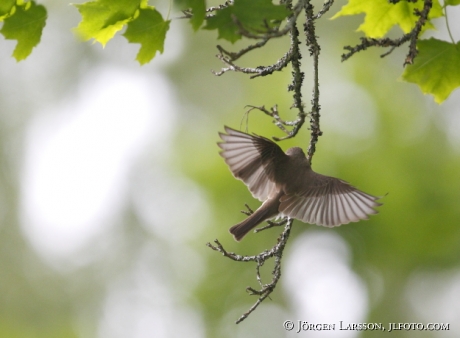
381 15
437 68
149 29
24 23
6 7
102 19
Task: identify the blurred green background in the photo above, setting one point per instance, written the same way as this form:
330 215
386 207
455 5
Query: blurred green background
111 184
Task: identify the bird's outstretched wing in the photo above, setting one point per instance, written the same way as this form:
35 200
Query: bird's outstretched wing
328 201
251 158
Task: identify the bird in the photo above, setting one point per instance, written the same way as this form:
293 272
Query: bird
287 185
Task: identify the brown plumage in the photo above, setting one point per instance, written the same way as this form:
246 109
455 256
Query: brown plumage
287 185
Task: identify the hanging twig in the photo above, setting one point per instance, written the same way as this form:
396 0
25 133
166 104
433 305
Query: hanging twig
260 259
289 128
314 48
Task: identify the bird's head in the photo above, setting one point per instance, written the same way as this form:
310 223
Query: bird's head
296 152
298 156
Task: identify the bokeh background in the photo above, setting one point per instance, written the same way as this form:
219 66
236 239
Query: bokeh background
111 184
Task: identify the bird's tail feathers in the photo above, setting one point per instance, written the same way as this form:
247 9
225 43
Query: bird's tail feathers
241 229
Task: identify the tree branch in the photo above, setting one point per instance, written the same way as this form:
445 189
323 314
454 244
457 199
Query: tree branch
314 48
260 259
290 128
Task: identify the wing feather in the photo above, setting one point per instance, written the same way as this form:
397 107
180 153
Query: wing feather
328 201
310 197
251 160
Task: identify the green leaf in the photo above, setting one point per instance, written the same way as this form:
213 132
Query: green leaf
198 8
149 29
6 6
25 26
436 69
382 15
452 2
253 15
102 19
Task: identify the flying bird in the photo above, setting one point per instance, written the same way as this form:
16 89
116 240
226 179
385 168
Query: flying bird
287 185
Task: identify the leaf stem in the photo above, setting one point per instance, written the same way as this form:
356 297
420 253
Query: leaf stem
447 24
169 10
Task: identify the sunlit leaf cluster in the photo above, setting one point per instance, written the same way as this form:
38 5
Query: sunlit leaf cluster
145 25
381 15
102 19
435 69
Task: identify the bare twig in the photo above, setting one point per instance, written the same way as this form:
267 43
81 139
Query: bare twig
313 47
235 56
423 16
326 6
293 57
260 259
271 225
217 8
277 120
229 57
188 13
275 32
296 84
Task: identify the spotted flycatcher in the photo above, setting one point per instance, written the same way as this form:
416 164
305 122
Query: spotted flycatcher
287 185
